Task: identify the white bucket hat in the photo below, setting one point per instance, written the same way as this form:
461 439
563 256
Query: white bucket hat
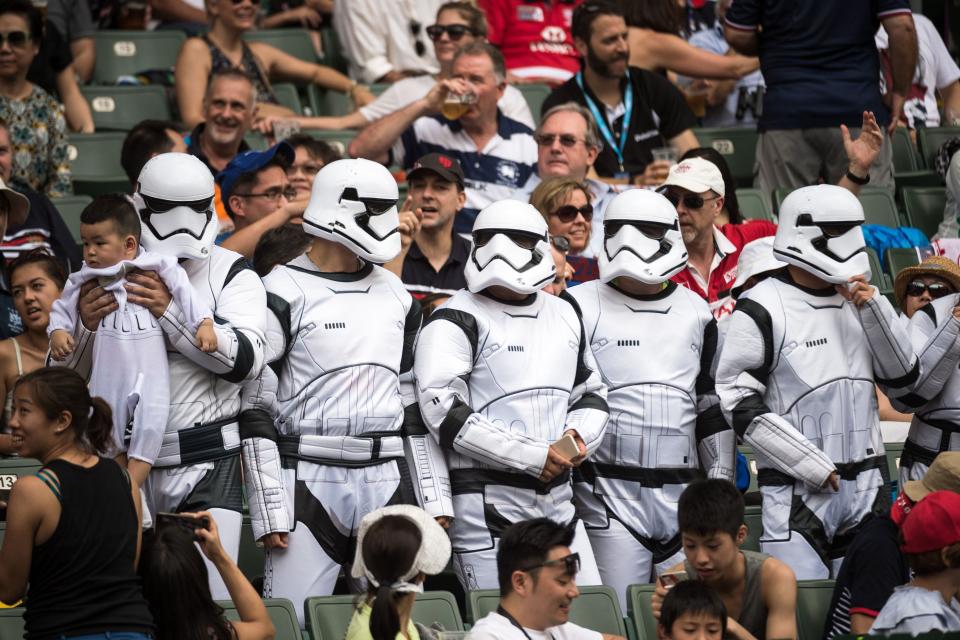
431 559
756 258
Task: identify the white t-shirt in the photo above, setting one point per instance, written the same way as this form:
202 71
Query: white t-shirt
494 626
403 92
916 610
935 70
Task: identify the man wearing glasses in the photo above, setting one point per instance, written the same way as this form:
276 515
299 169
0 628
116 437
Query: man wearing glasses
257 196
538 582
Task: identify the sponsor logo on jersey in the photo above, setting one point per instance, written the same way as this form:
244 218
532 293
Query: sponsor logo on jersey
553 34
526 13
508 172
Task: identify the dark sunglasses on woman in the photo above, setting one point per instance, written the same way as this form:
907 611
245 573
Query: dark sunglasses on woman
16 39
936 289
453 31
568 212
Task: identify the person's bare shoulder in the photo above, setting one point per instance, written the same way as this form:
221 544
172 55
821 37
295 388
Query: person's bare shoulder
776 576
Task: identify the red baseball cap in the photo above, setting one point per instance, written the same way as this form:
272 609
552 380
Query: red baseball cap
933 523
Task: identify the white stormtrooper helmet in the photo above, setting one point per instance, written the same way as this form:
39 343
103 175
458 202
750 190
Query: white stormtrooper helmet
354 202
819 232
641 238
510 249
174 198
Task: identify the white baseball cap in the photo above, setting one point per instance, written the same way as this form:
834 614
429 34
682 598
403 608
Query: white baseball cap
756 258
696 175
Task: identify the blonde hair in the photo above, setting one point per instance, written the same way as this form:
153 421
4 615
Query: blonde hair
550 194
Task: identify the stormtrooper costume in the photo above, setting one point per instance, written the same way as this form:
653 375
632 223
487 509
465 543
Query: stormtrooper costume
934 399
324 437
665 427
198 466
796 378
498 381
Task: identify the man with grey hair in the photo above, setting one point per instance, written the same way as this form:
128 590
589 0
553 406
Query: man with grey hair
459 118
568 143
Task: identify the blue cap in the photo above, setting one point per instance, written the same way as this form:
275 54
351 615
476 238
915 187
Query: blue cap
251 162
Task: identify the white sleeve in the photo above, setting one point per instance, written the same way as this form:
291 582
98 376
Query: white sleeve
64 314
944 67
364 44
716 441
442 366
570 631
895 366
240 324
514 106
742 371
183 292
387 102
937 343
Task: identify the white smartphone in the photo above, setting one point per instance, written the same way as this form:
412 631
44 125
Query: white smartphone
567 447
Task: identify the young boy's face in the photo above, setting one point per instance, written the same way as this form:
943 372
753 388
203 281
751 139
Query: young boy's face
104 246
713 555
695 626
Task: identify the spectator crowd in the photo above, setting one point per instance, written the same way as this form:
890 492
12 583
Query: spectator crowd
501 309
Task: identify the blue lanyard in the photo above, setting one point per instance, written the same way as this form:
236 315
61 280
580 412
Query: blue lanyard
601 120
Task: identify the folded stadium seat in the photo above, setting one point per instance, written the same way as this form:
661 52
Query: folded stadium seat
905 157
929 141
332 50
328 617
121 108
70 208
879 207
11 623
437 607
754 205
597 608
535 95
894 452
753 518
899 259
778 196
295 42
126 53
13 468
95 163
924 207
282 614
813 605
738 146
288 97
639 598
878 276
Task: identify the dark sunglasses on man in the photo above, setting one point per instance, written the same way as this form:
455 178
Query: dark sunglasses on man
936 289
690 200
566 140
568 212
453 31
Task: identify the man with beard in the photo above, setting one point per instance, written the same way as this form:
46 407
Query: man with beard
636 110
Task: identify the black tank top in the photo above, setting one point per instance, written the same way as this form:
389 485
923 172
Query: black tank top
248 64
82 580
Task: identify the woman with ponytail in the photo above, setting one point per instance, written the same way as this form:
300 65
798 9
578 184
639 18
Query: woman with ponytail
397 547
73 528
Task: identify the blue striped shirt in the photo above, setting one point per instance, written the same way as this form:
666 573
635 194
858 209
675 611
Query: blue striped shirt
492 173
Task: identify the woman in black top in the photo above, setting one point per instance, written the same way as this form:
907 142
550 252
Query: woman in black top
73 528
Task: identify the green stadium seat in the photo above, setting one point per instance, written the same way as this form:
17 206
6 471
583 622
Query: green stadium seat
11 623
813 605
126 53
929 141
296 42
753 518
327 618
778 196
95 163
282 614
12 469
288 97
738 146
121 108
878 277
894 452
899 259
70 208
879 207
905 158
924 208
754 205
332 50
437 607
639 597
597 608
535 95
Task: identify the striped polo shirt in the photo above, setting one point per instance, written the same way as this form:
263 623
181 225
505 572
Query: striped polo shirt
492 173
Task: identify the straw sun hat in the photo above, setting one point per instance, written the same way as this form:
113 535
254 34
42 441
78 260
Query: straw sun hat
938 266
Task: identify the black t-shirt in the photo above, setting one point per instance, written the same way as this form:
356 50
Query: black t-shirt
660 113
43 228
53 57
871 570
420 278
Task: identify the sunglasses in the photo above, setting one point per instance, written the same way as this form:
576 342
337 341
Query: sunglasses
523 240
241 1
566 140
568 212
690 201
570 564
158 205
418 45
16 39
651 230
453 31
936 289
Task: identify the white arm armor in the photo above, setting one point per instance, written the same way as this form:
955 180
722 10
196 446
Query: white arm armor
263 471
716 441
431 479
939 352
442 366
741 374
894 363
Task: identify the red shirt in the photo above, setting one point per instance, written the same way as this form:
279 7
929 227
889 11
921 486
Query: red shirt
534 37
728 241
